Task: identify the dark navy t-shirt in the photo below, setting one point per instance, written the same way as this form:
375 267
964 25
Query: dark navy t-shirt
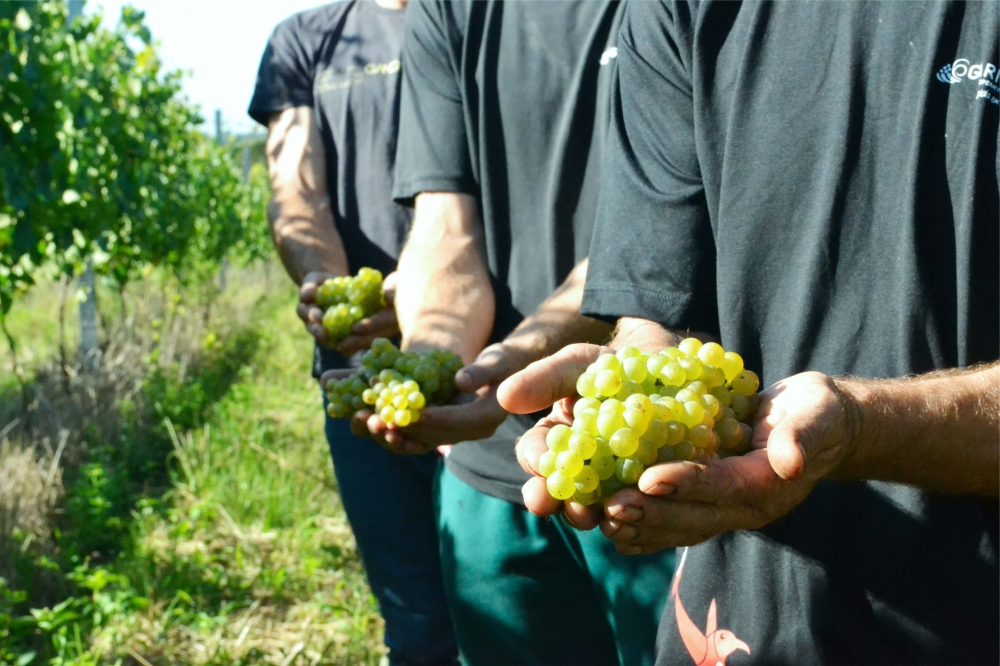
343 60
817 183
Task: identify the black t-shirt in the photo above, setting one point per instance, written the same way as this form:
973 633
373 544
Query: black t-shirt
508 102
818 183
343 61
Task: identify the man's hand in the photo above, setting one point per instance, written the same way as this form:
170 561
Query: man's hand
476 414
382 324
309 312
803 430
550 381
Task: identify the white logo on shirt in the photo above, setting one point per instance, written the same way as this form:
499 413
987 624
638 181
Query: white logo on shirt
988 76
608 55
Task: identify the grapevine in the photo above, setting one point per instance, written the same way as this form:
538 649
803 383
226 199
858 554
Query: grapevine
689 402
397 385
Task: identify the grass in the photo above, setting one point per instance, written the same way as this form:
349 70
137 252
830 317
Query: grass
194 518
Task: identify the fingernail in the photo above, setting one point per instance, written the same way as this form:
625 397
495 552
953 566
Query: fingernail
633 550
662 489
630 514
612 527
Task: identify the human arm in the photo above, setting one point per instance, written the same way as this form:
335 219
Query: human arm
302 224
940 432
554 324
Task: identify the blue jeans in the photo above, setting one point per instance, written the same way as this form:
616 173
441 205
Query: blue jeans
390 505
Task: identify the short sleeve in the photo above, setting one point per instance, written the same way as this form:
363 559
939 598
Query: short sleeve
432 149
653 254
285 75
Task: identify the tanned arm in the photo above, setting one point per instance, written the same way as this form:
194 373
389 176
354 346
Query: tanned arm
444 296
299 213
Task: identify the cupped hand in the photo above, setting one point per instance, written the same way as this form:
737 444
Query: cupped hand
550 382
476 414
382 324
803 429
309 312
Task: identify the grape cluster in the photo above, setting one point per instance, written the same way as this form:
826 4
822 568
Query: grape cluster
683 403
397 385
347 300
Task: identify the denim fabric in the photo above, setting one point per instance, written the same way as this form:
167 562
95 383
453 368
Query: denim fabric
389 503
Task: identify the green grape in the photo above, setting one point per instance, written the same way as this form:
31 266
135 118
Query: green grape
400 402
586 404
624 442
637 420
673 374
586 499
608 362
753 401
669 391
727 411
747 436
693 413
723 395
732 365
674 406
684 451
583 444
409 386
634 369
664 454
604 466
423 372
629 388
380 345
432 385
712 376
608 382
547 463
740 406
645 452
656 363
557 439
402 417
687 395
628 470
586 422
746 383
608 423
569 462
657 433
388 414
698 386
587 480
711 404
560 486
660 411
700 436
416 400
690 346
712 353
640 401
613 405
673 353
414 415
357 403
691 367
628 352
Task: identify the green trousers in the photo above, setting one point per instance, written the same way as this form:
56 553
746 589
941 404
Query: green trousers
530 590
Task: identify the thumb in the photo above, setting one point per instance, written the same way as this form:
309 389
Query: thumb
787 445
544 382
490 367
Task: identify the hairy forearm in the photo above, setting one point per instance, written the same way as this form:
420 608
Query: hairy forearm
444 298
939 431
300 215
306 240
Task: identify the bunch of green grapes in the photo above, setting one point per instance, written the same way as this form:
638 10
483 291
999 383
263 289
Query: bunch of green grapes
348 300
397 385
688 402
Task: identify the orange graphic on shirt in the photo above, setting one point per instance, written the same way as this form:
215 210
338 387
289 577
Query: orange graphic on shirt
712 647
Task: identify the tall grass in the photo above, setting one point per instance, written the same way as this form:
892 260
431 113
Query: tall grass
178 506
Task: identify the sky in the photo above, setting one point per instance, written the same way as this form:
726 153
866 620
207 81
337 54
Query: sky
219 44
